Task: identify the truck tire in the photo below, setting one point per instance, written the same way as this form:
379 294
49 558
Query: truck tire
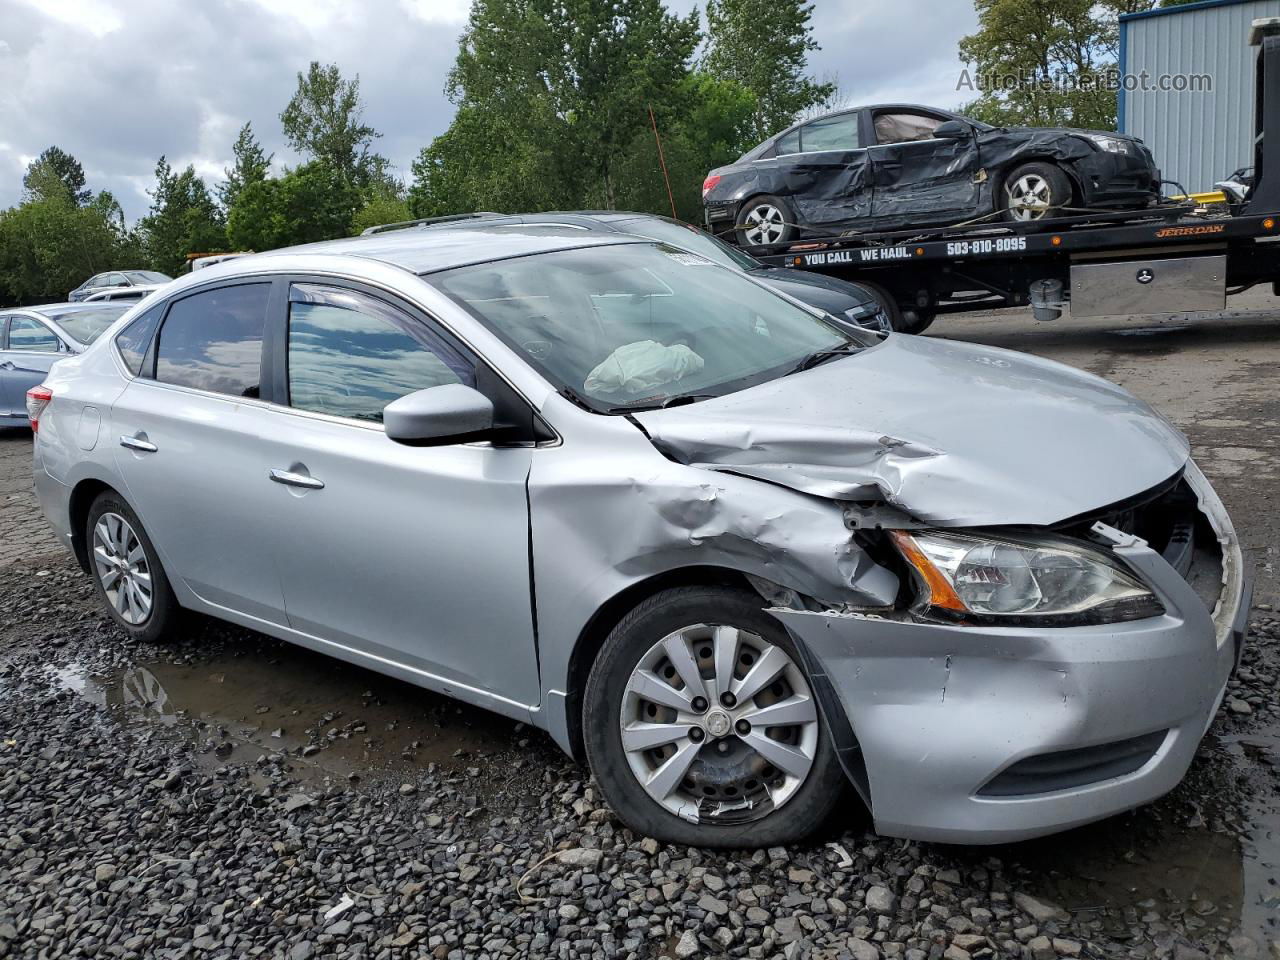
1034 191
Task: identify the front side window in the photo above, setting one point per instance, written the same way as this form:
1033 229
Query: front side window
350 354
213 340
830 133
633 325
32 336
905 127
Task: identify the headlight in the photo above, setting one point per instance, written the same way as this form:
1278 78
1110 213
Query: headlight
999 579
1110 144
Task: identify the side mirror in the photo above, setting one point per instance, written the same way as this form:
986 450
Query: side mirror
452 413
953 130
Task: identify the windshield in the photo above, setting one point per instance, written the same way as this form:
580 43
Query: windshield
85 326
630 326
147 276
690 238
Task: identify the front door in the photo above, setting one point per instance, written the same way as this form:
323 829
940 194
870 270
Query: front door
920 178
186 435
416 556
31 349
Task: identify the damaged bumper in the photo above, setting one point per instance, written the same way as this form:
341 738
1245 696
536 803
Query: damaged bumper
997 734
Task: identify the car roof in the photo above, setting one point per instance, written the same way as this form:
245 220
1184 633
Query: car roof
53 311
443 247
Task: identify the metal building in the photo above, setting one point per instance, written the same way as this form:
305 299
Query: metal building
1199 136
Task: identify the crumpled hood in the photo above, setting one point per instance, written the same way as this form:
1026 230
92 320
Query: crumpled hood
953 434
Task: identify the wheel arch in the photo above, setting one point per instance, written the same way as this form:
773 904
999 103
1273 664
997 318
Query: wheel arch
1003 172
609 614
82 496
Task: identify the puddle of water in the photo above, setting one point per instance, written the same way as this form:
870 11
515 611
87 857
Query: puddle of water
1202 869
332 719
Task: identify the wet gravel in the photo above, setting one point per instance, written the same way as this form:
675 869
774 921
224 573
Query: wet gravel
128 830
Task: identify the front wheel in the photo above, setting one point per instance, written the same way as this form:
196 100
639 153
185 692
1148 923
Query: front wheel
701 726
1035 191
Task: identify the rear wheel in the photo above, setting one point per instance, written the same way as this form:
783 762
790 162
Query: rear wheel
1035 191
702 728
126 570
765 220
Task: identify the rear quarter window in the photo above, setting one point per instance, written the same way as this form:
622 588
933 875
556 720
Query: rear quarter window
133 340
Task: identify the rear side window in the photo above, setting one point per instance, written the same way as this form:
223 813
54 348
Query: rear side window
134 339
830 133
213 340
350 355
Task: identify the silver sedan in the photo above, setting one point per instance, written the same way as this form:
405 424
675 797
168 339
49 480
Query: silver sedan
744 562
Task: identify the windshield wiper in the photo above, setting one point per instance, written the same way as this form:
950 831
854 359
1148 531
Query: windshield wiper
822 356
678 400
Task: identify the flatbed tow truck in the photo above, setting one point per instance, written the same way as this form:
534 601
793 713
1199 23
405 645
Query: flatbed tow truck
1170 258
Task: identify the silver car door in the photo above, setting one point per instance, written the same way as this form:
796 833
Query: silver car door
415 555
186 436
32 349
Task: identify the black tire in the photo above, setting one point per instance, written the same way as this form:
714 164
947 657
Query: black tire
917 321
805 811
898 319
1050 176
773 210
159 624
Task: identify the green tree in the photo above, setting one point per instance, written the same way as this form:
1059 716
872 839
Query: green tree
50 245
312 202
380 209
1047 62
252 164
323 122
552 96
183 219
56 171
764 46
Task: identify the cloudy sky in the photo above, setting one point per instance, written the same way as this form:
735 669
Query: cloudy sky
117 83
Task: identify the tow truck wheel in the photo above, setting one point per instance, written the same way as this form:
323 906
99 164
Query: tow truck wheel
1035 191
763 221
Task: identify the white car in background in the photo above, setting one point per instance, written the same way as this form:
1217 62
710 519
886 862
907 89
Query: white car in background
124 294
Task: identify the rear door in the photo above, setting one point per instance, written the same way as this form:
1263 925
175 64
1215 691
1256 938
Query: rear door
188 445
30 349
920 178
827 177
414 555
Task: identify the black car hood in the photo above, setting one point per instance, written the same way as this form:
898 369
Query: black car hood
826 293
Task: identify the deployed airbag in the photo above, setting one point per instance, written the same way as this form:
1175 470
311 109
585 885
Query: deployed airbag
640 367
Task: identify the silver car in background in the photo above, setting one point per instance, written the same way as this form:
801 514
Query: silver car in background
731 555
32 339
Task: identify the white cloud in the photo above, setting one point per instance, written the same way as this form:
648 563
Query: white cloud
117 83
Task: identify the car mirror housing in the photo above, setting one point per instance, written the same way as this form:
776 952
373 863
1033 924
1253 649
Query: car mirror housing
953 130
452 413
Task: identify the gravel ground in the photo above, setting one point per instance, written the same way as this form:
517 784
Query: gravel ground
231 796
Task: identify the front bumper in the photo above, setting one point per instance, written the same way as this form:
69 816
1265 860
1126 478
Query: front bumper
940 711
1118 179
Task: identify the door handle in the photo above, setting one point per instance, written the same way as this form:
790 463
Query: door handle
296 480
134 443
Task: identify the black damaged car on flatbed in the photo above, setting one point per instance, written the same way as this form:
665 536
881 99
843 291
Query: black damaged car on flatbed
901 166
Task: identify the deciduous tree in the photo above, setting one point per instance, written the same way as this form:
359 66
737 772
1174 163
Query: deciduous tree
764 46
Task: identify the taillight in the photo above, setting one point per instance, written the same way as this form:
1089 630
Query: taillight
37 399
709 183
